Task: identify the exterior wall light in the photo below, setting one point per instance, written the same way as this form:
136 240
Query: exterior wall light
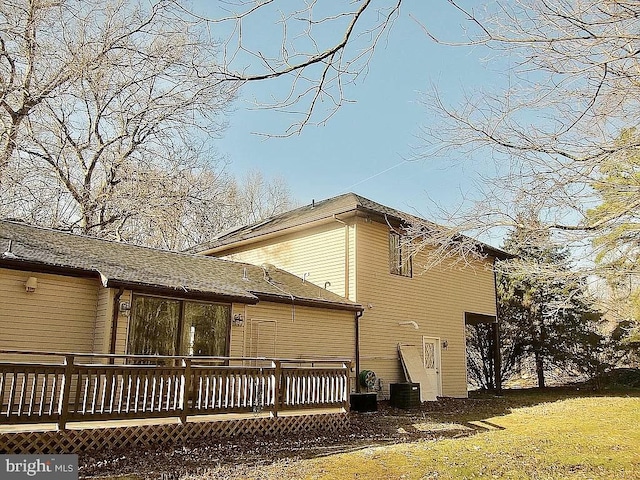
445 344
238 320
125 308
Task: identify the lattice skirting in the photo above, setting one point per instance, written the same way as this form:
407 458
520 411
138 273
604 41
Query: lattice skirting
75 441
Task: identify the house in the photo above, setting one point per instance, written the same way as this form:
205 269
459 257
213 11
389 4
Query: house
414 322
67 293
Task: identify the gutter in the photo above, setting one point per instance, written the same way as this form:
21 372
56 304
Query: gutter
497 359
357 317
309 302
43 267
178 292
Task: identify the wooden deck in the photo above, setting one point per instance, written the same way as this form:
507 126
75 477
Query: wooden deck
75 391
223 417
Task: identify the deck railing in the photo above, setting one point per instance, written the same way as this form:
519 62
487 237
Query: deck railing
92 387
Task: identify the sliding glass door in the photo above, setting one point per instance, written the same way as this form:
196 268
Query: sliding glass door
165 326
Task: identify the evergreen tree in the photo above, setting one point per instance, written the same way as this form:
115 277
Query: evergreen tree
546 318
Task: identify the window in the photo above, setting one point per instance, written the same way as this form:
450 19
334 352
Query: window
399 254
164 326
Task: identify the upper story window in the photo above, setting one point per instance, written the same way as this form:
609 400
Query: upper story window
399 255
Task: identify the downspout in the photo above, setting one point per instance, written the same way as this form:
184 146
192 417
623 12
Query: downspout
114 322
358 315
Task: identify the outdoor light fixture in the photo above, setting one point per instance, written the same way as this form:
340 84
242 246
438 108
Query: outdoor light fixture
445 344
31 284
238 320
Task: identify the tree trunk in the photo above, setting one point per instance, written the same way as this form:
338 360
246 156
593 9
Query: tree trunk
489 360
8 146
540 369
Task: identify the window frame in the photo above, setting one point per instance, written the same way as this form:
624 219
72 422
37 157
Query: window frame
400 255
180 322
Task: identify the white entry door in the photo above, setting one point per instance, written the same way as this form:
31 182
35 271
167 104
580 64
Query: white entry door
431 362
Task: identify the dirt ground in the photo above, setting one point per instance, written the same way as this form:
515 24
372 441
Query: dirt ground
432 421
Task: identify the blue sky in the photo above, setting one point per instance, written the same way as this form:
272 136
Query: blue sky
369 147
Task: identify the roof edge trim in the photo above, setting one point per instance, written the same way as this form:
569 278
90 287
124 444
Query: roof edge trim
309 302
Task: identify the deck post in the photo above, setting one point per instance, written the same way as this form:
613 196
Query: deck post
277 400
347 398
186 389
65 399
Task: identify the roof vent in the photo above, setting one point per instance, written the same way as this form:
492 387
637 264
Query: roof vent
313 202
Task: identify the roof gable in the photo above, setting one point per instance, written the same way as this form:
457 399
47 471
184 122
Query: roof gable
325 209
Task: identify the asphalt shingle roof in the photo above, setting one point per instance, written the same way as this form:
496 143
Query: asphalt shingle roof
123 264
341 204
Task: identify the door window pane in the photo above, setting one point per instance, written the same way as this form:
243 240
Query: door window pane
206 329
154 326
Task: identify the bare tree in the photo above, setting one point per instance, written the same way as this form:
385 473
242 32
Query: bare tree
257 198
200 204
118 142
28 73
107 109
195 203
47 47
321 48
571 88
44 46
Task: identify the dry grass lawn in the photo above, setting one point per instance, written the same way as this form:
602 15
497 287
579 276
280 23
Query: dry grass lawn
579 438
525 434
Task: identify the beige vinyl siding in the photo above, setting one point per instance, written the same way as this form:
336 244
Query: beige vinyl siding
237 342
300 332
264 337
435 299
122 331
319 251
351 263
104 315
59 316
